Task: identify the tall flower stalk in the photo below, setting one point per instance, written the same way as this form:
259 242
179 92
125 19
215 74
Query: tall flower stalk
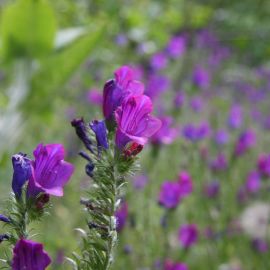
113 145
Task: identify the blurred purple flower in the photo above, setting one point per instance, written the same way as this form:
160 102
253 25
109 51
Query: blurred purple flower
188 235
166 134
94 97
170 265
140 181
170 194
156 85
21 172
179 99
235 117
246 140
263 164
29 255
117 89
221 137
201 77
159 61
185 183
134 122
4 219
220 163
253 182
196 104
176 46
260 245
121 215
212 189
195 133
50 172
121 40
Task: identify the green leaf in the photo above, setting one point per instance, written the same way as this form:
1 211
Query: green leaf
57 69
28 28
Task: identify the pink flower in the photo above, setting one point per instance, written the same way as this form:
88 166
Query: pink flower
134 122
116 90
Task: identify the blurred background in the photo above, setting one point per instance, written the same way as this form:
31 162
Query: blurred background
205 64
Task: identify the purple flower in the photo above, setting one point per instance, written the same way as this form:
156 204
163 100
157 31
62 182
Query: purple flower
21 172
159 61
50 171
4 237
212 189
263 164
235 118
170 265
140 181
121 215
4 219
221 137
220 163
253 182
185 183
188 235
134 122
100 131
94 97
116 90
246 140
170 194
196 104
29 255
195 133
157 84
201 77
166 134
260 245
176 47
179 99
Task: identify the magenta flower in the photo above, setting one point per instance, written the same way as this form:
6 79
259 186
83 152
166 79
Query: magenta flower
220 163
29 255
185 183
169 195
159 61
134 122
121 215
116 90
253 182
166 134
201 77
188 235
170 265
263 164
49 170
246 140
94 97
260 245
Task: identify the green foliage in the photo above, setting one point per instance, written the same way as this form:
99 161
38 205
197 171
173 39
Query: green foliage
28 29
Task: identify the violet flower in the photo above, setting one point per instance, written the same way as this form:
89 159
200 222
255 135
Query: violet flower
246 140
188 235
185 183
201 77
166 134
170 265
196 104
221 137
21 172
260 245
220 163
176 46
170 194
4 219
253 182
134 122
50 172
116 90
100 131
263 164
235 118
179 99
29 255
212 189
196 133
121 215
159 61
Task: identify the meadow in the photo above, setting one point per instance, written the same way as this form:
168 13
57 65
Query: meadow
198 195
